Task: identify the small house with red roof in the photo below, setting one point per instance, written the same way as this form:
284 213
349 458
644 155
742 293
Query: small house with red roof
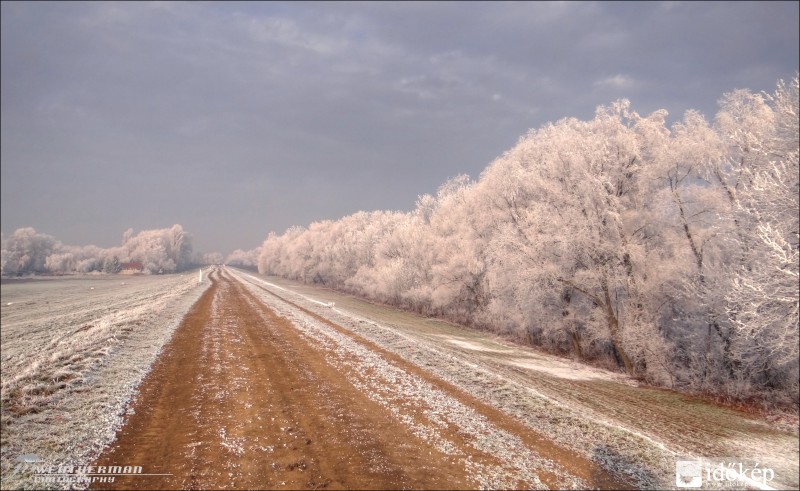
133 267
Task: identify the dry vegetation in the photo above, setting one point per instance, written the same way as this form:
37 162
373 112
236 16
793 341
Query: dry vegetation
74 350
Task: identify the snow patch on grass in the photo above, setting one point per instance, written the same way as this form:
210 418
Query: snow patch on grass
563 370
461 343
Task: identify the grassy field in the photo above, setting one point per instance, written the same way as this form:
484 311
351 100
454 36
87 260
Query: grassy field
74 350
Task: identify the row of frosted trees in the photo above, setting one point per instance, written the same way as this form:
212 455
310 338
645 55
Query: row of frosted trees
669 252
244 259
162 250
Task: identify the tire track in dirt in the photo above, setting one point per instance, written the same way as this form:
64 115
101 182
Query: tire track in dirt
569 469
237 402
242 398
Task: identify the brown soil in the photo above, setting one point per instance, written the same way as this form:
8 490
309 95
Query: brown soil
239 399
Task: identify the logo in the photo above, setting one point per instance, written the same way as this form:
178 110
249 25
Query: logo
688 474
41 471
723 474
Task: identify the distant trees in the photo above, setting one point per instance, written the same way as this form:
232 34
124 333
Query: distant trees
670 252
244 259
27 251
213 258
112 265
166 250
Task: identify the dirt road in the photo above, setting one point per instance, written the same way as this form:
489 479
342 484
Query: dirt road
242 397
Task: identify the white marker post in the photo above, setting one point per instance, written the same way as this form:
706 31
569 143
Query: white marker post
200 277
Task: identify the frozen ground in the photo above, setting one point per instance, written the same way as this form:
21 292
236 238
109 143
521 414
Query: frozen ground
73 351
637 432
254 392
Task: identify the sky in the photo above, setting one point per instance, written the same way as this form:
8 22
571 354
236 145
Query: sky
237 119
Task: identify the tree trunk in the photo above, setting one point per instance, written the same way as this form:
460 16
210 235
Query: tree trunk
576 344
570 322
614 328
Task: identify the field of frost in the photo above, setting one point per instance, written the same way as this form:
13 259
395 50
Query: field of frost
634 431
74 351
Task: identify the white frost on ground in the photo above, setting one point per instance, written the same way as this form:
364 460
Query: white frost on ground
426 410
636 432
563 370
470 345
74 351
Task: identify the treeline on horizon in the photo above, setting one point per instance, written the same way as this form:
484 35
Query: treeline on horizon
166 250
670 253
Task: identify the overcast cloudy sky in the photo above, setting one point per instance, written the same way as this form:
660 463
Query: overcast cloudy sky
234 119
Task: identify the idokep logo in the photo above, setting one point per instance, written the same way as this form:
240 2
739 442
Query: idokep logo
688 474
722 474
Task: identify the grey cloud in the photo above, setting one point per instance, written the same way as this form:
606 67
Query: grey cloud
234 119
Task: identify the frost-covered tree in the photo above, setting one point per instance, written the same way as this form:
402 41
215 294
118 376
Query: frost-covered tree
275 257
60 262
26 251
461 229
670 252
402 264
244 259
689 241
161 250
180 247
86 258
213 258
572 205
112 265
763 298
